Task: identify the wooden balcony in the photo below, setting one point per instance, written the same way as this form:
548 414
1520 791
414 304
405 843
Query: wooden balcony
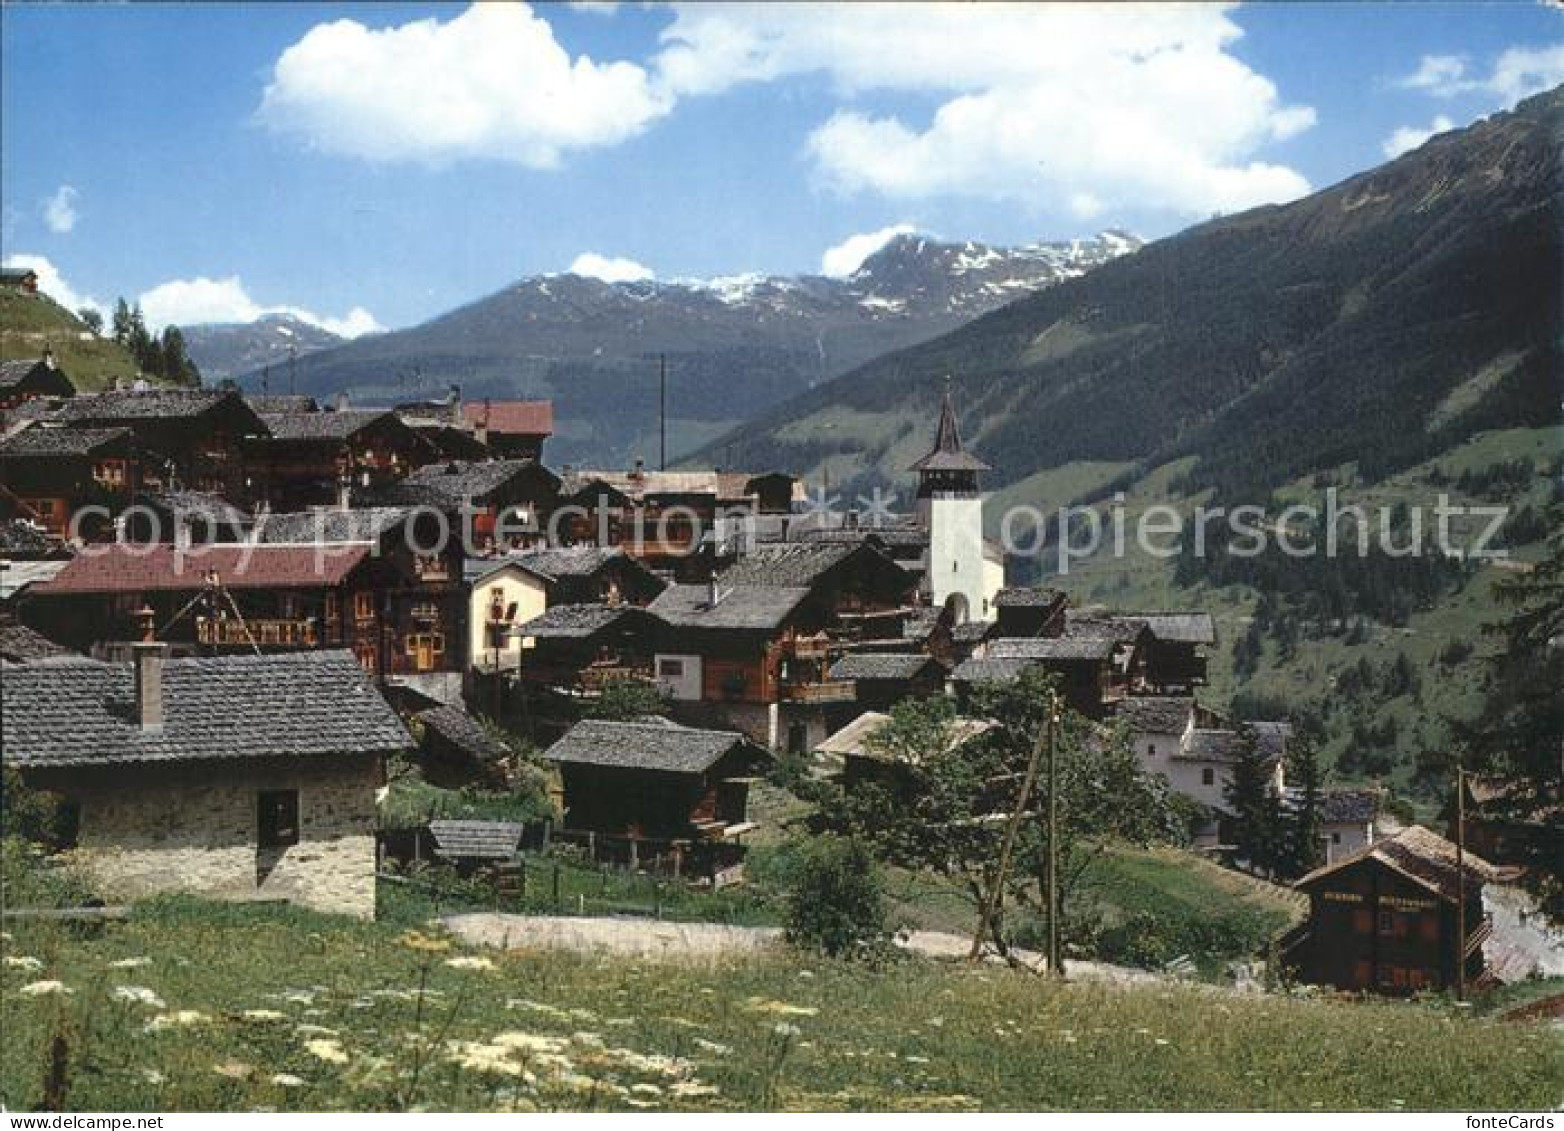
273 632
820 691
807 647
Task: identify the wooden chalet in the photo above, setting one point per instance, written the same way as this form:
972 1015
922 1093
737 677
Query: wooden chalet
49 474
186 438
582 648
311 459
184 517
493 504
510 429
1083 665
456 750
656 779
1175 661
235 777
883 679
1384 920
28 378
858 762
21 280
582 575
1022 611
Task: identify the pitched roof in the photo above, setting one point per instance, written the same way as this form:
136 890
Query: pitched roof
990 671
1424 857
853 739
757 607
1156 714
527 418
1212 744
457 480
639 483
1066 648
882 665
1357 806
13 373
43 441
325 426
797 564
263 404
1120 630
20 644
1028 596
920 624
476 840
462 731
329 525
578 622
651 744
144 404
568 561
205 505
1179 628
18 575
119 568
292 704
947 453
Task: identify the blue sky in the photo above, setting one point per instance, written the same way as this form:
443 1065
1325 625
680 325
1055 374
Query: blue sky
375 165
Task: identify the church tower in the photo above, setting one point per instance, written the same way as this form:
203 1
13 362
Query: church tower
960 571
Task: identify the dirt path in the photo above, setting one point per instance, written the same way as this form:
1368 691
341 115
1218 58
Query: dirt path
658 939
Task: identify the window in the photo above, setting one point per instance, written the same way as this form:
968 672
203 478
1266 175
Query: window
1389 923
1363 922
277 817
364 606
672 669
797 738
955 567
1335 838
1151 749
1207 775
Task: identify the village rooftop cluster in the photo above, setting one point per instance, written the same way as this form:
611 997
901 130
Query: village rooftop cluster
213 674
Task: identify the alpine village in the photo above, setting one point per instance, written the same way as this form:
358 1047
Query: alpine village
340 730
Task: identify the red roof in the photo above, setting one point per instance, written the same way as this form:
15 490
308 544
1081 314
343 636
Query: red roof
514 418
120 568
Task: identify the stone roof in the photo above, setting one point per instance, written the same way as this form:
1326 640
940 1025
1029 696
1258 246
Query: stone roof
882 665
990 671
143 404
920 624
20 644
272 403
567 561
971 632
1210 744
206 505
787 564
1179 628
525 418
294 704
20 536
578 622
1018 597
650 744
1156 714
13 373
119 568
458 480
1424 857
459 729
1356 806
853 739
329 525
41 441
476 840
326 426
1059 648
1120 630
753 607
637 484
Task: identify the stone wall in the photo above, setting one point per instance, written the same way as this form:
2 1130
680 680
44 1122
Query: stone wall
192 827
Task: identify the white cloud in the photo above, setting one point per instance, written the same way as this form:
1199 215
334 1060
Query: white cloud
1093 107
594 7
610 269
53 284
491 82
1518 72
1410 137
188 302
847 256
59 210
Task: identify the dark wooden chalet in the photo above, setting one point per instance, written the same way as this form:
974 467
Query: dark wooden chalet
1030 612
493 504
883 679
1083 665
24 379
1175 660
319 458
22 280
186 438
581 648
185 517
456 749
1384 920
585 575
656 779
510 429
51 473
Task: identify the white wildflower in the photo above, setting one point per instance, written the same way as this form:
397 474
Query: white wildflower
327 1049
264 1015
470 962
786 1029
713 1047
23 962
287 1080
48 986
179 1019
130 963
137 995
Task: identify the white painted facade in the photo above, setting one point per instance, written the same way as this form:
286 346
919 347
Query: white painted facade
520 596
678 675
1344 838
958 562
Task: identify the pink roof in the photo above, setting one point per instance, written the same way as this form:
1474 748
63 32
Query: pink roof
136 569
515 418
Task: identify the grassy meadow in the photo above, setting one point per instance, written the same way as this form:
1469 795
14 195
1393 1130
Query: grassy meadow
195 1006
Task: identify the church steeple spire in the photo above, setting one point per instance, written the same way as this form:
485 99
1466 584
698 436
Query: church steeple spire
947 462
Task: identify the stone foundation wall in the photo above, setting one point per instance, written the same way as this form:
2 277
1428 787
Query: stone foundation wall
193 828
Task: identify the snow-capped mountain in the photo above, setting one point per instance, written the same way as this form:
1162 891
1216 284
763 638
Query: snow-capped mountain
735 345
227 349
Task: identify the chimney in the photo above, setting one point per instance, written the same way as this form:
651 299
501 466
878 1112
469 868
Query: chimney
345 493
713 592
149 656
481 431
48 356
454 400
342 402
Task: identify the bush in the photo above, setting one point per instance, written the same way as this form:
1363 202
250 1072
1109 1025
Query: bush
837 905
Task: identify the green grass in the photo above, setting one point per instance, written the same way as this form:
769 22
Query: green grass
342 1018
30 322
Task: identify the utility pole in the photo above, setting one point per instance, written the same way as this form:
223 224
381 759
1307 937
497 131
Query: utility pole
293 355
662 411
1055 953
1460 883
